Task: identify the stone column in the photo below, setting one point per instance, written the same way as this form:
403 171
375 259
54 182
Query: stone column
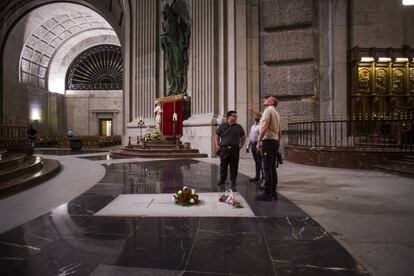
143 51
203 57
247 60
223 69
203 74
333 58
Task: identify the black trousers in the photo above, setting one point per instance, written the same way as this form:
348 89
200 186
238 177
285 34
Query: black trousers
229 156
269 155
258 161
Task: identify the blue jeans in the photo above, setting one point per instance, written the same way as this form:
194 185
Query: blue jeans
32 142
258 161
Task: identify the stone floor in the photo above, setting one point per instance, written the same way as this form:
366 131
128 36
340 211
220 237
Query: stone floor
68 239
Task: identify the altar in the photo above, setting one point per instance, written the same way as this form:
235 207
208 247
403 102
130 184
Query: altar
174 110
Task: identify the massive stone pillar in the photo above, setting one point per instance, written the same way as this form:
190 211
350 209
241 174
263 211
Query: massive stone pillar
223 70
333 50
142 71
203 75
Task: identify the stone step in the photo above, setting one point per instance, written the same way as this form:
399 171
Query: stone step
377 144
396 169
158 146
408 157
160 150
31 164
403 162
166 142
48 169
11 160
158 154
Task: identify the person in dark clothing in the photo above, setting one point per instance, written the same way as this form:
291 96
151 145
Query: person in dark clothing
31 135
230 138
253 135
270 134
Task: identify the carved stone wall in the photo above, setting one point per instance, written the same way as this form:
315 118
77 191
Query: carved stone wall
288 59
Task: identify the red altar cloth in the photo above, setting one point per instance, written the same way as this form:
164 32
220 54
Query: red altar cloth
170 105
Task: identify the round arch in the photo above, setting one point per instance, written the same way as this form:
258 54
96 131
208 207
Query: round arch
12 14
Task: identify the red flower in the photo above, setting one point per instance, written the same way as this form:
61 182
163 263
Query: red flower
181 200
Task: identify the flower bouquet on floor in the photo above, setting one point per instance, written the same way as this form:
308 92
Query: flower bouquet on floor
229 198
186 197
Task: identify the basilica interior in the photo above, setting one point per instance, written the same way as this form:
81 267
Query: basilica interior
108 108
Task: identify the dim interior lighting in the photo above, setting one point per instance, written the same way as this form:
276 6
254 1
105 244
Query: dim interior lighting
401 59
367 59
384 59
35 114
408 2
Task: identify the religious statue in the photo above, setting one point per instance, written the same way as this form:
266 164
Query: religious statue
158 115
397 84
380 83
363 76
175 36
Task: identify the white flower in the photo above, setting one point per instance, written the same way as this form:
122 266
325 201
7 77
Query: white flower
179 192
173 198
192 191
185 188
192 200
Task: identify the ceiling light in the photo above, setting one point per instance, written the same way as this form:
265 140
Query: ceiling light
384 59
408 2
401 59
367 59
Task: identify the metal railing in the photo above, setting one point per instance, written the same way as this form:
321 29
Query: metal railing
393 134
11 135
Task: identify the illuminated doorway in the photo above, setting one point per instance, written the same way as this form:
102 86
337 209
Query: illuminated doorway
105 127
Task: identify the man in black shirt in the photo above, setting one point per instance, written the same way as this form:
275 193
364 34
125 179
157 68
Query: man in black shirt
31 135
230 138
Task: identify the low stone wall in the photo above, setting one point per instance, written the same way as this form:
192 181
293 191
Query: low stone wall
340 157
87 141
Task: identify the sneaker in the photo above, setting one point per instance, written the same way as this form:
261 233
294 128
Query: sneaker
264 197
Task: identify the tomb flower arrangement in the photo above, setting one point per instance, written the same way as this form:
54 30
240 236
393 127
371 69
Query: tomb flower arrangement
186 197
155 135
152 136
229 198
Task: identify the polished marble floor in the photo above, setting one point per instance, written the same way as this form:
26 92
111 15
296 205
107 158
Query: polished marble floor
70 240
47 151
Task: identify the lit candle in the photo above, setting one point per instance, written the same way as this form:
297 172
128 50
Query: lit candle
108 159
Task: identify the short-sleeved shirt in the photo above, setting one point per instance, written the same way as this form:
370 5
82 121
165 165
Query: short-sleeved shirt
254 133
230 134
273 117
31 132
